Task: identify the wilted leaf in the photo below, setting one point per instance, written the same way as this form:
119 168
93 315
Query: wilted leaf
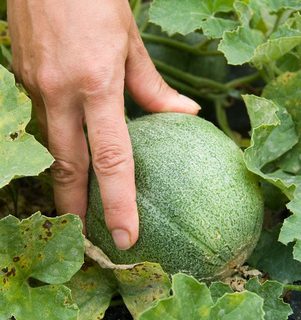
92 290
139 284
46 249
20 154
142 285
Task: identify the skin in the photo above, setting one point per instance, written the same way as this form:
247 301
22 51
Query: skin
75 59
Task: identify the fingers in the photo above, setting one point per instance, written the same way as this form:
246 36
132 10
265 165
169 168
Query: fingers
113 161
147 86
67 144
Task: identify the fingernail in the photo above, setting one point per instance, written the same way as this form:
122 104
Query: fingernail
122 239
189 102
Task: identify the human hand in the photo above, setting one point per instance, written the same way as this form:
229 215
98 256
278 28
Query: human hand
74 58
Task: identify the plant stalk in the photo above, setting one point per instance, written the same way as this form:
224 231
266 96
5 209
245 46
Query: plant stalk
196 49
197 82
292 287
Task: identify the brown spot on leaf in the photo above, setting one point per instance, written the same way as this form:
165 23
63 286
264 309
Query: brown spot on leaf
86 265
49 234
14 135
47 225
4 269
64 221
16 259
12 272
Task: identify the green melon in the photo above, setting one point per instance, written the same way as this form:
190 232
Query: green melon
200 209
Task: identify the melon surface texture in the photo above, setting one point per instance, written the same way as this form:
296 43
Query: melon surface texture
200 209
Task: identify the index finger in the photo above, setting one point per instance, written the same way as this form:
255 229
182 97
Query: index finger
113 164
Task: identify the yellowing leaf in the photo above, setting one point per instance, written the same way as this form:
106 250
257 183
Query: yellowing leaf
20 154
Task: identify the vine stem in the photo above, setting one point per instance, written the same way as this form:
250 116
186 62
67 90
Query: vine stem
243 80
196 49
222 120
189 78
189 90
292 287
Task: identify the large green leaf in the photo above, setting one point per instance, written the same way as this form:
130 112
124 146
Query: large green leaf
265 147
49 250
274 307
188 15
239 46
193 300
247 45
20 154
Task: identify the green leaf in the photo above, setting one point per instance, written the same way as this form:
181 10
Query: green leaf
92 290
277 5
244 12
285 91
52 302
50 250
215 27
280 43
274 307
264 148
192 300
142 285
187 15
239 46
274 132
218 289
238 305
20 154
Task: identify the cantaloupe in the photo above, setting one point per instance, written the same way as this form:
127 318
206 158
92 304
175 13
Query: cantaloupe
200 209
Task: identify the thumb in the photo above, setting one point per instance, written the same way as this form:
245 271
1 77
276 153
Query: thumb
146 85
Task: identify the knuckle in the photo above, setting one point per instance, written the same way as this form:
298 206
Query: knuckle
101 81
66 173
48 81
111 160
